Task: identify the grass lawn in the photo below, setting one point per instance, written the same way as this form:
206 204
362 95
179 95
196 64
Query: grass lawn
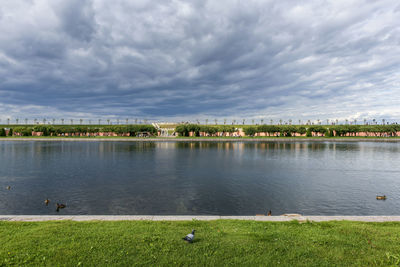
217 243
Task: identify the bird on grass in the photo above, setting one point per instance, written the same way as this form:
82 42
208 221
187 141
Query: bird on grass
60 206
190 237
8 187
47 201
269 213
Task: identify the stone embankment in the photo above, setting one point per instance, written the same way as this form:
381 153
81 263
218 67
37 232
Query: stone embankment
281 218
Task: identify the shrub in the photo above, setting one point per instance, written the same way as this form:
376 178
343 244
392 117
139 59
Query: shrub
250 131
24 131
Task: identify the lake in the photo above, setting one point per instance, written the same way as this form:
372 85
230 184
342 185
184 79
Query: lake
200 178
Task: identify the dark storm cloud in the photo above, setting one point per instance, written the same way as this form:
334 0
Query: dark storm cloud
200 59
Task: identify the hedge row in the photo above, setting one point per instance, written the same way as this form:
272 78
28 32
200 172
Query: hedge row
64 129
184 129
289 130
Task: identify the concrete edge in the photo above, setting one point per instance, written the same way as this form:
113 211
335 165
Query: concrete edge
281 218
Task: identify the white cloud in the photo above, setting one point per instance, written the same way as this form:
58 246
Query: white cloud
194 59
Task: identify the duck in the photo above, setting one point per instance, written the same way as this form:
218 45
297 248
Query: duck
269 213
60 206
381 197
8 187
47 201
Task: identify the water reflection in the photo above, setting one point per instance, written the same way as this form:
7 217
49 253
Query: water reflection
228 178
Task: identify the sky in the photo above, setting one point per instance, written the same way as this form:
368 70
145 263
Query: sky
164 60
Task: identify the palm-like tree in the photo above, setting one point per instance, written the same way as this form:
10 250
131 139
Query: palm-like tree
17 120
280 121
337 121
206 121
243 121
383 121
26 120
224 121
44 121
34 121
72 121
90 121
327 121
365 121
373 120
299 122
99 121
216 121
318 120
54 121
62 121
355 121
262 121
80 121
126 121
234 122
290 121
308 122
271 121
136 121
108 121
347 121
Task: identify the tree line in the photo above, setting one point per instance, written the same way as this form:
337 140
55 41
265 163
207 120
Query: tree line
290 130
49 130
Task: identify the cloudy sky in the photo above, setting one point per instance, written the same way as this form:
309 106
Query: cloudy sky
188 60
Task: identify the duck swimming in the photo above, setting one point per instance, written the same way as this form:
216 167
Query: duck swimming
47 201
60 206
381 197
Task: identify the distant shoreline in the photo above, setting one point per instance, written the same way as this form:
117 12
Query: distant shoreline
200 139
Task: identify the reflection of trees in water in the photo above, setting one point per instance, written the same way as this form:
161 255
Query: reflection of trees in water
125 146
317 146
239 146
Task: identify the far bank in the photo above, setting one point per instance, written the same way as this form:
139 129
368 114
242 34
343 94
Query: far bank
204 139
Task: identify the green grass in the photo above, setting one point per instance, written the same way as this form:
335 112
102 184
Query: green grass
217 243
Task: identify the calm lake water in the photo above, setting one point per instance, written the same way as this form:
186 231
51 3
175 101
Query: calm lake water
186 178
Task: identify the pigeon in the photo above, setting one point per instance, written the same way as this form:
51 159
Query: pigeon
47 201
269 213
189 238
60 206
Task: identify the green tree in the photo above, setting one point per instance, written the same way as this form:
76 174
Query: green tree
250 131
